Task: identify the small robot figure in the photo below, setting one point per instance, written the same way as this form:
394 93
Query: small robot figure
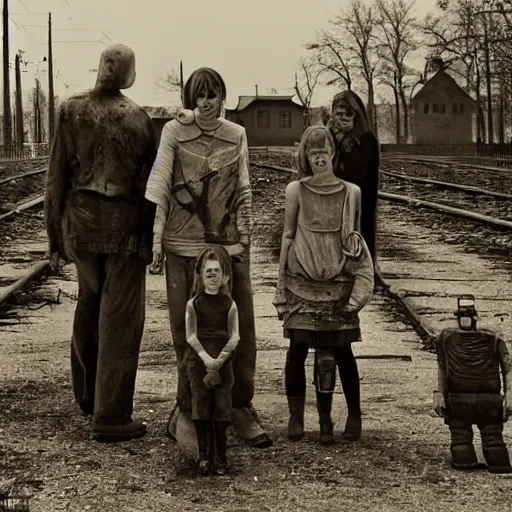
469 390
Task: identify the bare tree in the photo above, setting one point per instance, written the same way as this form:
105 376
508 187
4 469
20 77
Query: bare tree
170 82
359 21
333 59
306 80
398 39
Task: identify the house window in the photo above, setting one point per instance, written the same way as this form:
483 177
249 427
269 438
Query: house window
461 108
435 108
426 108
442 108
454 108
285 119
263 119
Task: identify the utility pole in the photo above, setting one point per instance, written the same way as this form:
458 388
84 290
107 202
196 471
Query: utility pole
7 124
37 115
19 106
181 80
490 124
51 99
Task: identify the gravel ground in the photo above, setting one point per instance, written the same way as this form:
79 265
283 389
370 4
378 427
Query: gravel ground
400 464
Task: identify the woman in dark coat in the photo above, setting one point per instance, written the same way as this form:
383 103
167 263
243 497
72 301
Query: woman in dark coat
357 158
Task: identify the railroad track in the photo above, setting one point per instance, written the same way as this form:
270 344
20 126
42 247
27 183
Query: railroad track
434 205
19 193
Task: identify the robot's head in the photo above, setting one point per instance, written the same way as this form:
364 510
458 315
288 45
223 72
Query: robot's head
466 312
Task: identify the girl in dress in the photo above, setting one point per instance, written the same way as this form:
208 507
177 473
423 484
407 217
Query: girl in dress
325 278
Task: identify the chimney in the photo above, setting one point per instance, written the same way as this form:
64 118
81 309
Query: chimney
256 87
436 64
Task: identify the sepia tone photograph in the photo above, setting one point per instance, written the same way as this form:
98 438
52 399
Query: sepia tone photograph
256 256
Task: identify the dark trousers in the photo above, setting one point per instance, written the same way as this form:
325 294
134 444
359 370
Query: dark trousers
462 434
179 277
107 333
295 373
209 404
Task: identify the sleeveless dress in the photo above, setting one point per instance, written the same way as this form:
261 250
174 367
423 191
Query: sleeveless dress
319 282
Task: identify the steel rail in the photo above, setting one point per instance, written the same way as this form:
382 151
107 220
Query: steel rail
459 212
23 206
20 176
455 186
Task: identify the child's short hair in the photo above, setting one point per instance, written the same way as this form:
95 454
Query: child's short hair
202 80
314 137
216 253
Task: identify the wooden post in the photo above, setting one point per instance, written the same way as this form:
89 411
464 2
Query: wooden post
181 80
19 107
37 114
51 99
7 123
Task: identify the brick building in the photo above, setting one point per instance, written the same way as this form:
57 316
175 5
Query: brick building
273 120
442 111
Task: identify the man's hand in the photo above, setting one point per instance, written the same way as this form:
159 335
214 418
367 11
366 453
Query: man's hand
349 308
54 261
507 406
244 240
439 403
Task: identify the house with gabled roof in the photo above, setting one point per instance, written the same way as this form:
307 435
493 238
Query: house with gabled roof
271 120
442 112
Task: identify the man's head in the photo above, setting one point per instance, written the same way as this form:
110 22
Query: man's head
466 312
116 69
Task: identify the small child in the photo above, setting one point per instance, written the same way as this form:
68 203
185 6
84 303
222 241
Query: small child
211 321
469 390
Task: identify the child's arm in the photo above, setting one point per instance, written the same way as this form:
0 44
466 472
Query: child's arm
233 333
192 339
506 370
290 227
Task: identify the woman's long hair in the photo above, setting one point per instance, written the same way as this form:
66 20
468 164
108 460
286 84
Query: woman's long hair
203 80
314 137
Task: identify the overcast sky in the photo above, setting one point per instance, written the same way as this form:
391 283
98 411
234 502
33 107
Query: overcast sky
249 42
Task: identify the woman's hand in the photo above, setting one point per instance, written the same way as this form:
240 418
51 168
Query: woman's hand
158 259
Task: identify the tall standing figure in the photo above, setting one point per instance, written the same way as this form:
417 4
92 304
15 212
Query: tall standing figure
325 278
96 216
200 184
357 158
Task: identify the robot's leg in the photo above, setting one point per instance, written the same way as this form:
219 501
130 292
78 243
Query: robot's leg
495 449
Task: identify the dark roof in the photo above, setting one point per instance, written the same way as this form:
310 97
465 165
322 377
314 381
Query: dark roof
245 101
433 83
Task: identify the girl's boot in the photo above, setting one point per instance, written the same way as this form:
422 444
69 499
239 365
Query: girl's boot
296 421
203 442
221 460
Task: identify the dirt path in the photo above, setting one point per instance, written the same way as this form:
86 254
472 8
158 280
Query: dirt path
401 462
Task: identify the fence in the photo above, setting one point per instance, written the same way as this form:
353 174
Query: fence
28 151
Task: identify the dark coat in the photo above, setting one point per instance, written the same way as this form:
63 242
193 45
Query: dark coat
361 167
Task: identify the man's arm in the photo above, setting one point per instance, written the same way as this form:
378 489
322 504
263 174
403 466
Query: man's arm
58 183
